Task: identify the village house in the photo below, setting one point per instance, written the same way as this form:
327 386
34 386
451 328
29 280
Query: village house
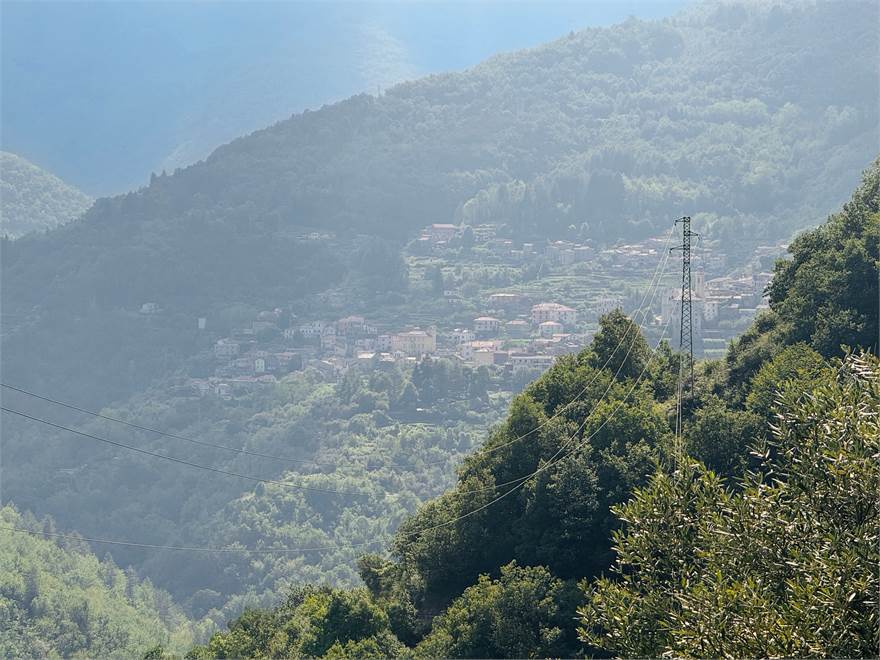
483 233
549 328
288 361
462 335
351 325
486 326
312 329
553 312
468 349
437 233
483 357
671 309
328 338
521 361
557 344
383 343
516 329
226 348
415 343
605 305
365 344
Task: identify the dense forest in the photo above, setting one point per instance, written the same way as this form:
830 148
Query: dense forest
606 133
432 508
57 599
763 542
548 543
32 200
360 445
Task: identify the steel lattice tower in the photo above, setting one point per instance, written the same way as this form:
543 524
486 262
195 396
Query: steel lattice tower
686 331
686 328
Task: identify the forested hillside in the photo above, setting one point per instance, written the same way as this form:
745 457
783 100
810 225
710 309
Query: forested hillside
363 498
343 463
31 199
605 134
57 599
771 552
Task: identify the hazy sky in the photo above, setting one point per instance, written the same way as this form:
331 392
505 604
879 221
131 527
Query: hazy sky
103 93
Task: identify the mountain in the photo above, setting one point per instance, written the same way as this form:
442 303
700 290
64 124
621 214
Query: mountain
57 599
32 199
755 118
596 535
217 71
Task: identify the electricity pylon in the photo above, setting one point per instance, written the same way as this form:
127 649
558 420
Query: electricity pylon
686 330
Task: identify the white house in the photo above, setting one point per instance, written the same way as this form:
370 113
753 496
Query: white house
486 325
553 312
226 348
550 328
312 328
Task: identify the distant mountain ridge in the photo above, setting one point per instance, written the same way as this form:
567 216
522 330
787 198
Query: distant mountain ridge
32 199
755 118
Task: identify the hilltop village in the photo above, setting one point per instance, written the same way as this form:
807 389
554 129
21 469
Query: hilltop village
514 331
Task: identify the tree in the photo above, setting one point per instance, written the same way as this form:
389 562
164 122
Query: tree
409 397
467 238
312 622
524 613
827 293
721 438
619 346
798 363
785 567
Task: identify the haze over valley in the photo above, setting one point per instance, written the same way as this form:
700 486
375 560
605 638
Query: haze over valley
379 330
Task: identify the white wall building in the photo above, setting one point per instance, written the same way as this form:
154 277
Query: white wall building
553 312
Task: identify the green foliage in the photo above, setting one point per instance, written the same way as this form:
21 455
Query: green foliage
721 438
619 346
824 296
526 613
60 600
304 418
606 130
589 455
780 565
798 363
786 567
827 293
31 199
313 622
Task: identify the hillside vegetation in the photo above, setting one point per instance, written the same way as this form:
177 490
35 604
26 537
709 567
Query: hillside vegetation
31 199
772 551
606 133
57 599
363 437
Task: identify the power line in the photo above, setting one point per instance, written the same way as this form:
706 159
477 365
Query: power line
604 394
553 461
156 431
521 481
155 546
181 461
642 309
686 334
